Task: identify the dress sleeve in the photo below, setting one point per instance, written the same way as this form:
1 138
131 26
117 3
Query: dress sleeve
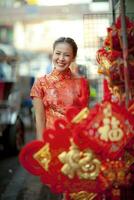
37 89
84 94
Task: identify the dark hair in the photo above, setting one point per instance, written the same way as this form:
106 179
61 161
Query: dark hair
69 41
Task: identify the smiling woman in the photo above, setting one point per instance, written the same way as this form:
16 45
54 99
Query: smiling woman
63 53
54 93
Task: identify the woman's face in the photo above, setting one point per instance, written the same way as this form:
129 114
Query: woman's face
62 56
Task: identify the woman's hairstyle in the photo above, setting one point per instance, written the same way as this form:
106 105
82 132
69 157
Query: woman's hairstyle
69 41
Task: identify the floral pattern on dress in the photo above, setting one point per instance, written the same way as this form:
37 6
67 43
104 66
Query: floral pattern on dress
58 94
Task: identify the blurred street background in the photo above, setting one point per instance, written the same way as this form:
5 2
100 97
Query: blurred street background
28 29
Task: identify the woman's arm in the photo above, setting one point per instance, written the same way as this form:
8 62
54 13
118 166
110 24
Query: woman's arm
39 117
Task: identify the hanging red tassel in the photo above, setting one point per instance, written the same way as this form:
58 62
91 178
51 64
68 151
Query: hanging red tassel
115 193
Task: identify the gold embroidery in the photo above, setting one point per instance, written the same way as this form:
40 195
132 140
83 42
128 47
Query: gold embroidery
43 156
81 115
83 164
82 195
111 129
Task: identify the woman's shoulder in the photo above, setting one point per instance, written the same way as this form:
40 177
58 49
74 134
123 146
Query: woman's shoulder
81 81
41 79
75 76
78 77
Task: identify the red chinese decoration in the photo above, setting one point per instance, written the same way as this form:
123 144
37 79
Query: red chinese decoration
88 150
110 55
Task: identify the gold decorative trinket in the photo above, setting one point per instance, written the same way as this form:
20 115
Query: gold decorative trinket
81 115
83 164
43 156
82 195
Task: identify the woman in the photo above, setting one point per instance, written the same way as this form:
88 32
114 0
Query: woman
55 93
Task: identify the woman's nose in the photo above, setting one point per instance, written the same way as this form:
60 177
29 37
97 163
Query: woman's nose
61 57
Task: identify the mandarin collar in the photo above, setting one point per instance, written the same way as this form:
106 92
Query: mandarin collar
61 75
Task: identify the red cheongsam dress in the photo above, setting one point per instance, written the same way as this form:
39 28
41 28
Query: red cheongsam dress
59 91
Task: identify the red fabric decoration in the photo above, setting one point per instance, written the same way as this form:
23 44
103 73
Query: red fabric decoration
26 157
74 156
59 141
106 91
98 131
110 55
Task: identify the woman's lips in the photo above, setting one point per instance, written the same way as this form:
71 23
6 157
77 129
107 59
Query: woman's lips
61 64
